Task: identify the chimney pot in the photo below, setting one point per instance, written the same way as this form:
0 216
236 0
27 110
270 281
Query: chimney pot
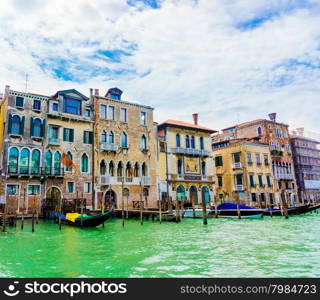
96 92
91 92
273 117
195 118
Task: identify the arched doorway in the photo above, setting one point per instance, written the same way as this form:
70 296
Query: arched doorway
110 199
181 193
194 195
205 194
52 200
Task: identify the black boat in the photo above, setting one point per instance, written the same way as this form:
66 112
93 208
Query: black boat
84 220
230 210
291 210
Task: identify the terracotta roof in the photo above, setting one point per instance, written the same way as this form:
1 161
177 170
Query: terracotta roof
186 125
244 124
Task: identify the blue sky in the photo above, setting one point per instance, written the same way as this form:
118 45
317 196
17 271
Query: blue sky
228 60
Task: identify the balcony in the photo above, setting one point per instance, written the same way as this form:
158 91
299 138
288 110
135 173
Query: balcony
284 176
145 180
54 141
111 147
237 165
35 171
190 151
239 187
52 172
117 180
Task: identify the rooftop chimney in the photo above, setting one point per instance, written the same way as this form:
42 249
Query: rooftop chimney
300 131
273 117
195 118
96 92
7 88
91 92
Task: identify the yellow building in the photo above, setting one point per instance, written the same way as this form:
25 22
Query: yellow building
185 165
243 172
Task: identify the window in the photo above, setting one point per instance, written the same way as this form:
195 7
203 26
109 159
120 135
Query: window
123 115
144 145
239 179
236 157
35 161
258 159
12 189
187 141
36 127
69 154
48 162
19 101
87 112
24 161
193 143
260 181
13 160
103 111
36 105
178 141
111 114
203 168
259 131
249 158
266 160
220 182
15 125
70 187
269 181
288 148
72 106
57 163
53 134
114 96
33 189
251 179
218 161
124 140
162 146
201 143
87 137
179 167
253 197
278 133
103 137
143 118
68 134
55 106
84 163
87 187
111 137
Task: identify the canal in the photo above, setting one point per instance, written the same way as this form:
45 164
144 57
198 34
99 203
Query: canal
270 247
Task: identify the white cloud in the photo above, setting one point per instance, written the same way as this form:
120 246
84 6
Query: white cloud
187 56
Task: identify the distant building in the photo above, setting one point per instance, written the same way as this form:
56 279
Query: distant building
185 162
306 156
243 172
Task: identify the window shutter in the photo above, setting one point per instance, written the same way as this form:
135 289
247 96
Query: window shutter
31 126
43 128
84 137
71 135
64 134
10 124
90 137
22 125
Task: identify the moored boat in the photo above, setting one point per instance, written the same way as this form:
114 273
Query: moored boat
231 210
291 210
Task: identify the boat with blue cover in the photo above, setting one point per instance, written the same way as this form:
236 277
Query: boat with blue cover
231 210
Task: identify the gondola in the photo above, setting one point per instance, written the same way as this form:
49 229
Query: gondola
230 210
313 208
291 210
85 220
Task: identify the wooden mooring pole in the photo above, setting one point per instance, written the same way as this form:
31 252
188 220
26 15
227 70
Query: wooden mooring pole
160 211
141 204
122 201
204 212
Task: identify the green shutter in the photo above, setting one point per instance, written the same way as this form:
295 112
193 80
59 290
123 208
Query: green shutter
31 126
43 128
71 135
22 125
90 137
84 137
10 124
64 134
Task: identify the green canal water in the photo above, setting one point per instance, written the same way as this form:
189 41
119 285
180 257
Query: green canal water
270 247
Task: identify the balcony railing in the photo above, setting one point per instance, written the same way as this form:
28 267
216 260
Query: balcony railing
117 180
35 171
237 165
54 141
239 187
109 147
284 176
145 180
190 151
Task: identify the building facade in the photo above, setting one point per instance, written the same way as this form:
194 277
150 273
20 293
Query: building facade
306 156
276 135
243 172
124 157
185 162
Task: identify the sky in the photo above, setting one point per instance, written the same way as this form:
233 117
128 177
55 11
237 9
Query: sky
228 60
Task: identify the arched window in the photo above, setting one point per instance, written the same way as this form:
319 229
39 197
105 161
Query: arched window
181 193
103 137
15 124
144 142
129 172
84 163
259 131
124 140
111 168
71 157
24 161
35 161
57 163
111 137
103 168
193 142
120 169
178 141
203 168
136 170
144 169
126 192
36 128
13 160
48 162
179 167
187 141
201 143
